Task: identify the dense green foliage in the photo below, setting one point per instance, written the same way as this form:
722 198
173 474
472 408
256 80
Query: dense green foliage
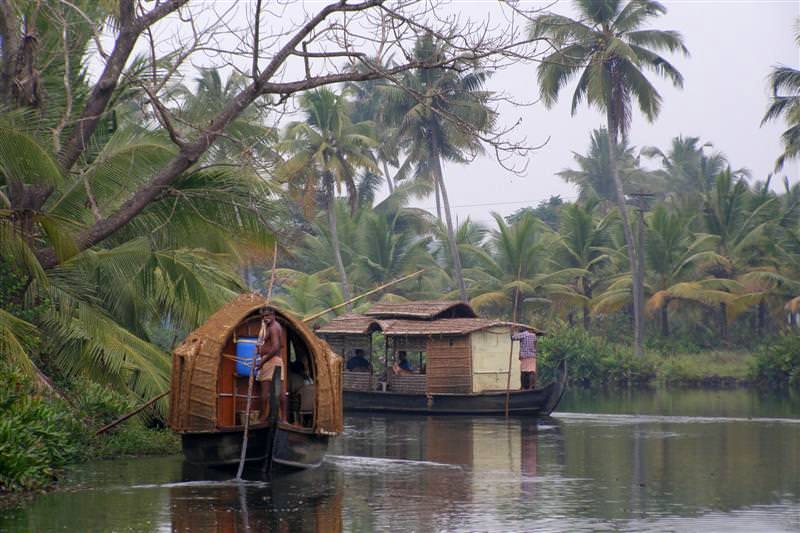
40 433
777 362
37 436
592 360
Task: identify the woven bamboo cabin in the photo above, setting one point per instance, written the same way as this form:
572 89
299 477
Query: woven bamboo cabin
452 351
209 397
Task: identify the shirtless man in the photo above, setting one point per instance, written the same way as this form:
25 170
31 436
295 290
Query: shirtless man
270 356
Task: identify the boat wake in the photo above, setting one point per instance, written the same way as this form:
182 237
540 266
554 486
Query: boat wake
383 463
675 419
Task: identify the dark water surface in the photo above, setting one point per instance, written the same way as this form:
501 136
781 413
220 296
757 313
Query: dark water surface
634 461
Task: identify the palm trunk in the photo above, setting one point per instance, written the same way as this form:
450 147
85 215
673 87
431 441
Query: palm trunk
436 193
723 320
451 236
762 317
388 177
337 254
587 291
638 296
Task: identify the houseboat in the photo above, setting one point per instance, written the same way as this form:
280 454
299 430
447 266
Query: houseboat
459 361
208 404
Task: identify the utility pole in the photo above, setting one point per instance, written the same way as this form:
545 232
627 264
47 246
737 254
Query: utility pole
641 201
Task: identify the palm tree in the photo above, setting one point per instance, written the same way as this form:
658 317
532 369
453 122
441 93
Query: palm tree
593 176
441 113
741 238
583 245
514 270
247 139
93 312
385 251
610 52
305 294
326 151
370 105
687 171
784 82
673 254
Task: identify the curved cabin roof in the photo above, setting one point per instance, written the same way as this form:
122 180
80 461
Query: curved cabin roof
196 363
424 310
355 324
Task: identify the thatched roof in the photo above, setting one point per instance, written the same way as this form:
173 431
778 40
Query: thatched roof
793 305
422 310
445 326
354 324
196 364
350 323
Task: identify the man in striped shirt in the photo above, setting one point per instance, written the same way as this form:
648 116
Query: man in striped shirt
527 357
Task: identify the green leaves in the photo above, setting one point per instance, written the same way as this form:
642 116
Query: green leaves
24 161
609 51
784 83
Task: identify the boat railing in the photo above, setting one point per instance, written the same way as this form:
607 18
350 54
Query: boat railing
408 383
357 381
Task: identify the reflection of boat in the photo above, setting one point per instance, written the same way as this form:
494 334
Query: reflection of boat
208 403
302 501
463 361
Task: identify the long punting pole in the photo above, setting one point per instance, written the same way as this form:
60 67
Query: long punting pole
123 418
356 298
250 379
511 349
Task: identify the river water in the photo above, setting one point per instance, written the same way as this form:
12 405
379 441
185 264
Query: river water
632 461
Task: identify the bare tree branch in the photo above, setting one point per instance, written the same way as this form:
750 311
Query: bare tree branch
97 102
332 33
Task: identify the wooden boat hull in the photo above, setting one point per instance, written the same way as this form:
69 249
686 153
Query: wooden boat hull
536 402
293 448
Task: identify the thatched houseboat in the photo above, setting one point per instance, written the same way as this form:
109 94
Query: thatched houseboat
209 394
460 361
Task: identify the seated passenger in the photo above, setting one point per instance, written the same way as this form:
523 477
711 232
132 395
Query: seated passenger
402 367
359 363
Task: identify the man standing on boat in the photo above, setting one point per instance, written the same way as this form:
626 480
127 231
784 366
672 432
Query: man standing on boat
269 352
527 357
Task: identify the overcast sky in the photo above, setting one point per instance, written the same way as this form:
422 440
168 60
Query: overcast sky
733 44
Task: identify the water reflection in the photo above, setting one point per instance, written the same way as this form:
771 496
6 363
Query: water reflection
295 503
578 472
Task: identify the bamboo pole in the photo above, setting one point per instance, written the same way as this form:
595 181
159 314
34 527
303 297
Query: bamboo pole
250 380
511 349
372 291
123 418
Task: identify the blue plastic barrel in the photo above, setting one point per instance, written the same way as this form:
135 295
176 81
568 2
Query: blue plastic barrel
246 350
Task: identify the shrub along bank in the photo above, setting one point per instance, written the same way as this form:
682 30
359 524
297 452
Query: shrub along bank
593 361
40 433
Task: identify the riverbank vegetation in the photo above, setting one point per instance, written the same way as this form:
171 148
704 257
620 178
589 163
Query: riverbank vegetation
137 195
41 432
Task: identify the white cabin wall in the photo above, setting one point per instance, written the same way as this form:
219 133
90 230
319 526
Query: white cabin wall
490 360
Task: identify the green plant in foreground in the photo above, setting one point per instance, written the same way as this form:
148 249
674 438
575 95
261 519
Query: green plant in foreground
37 435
